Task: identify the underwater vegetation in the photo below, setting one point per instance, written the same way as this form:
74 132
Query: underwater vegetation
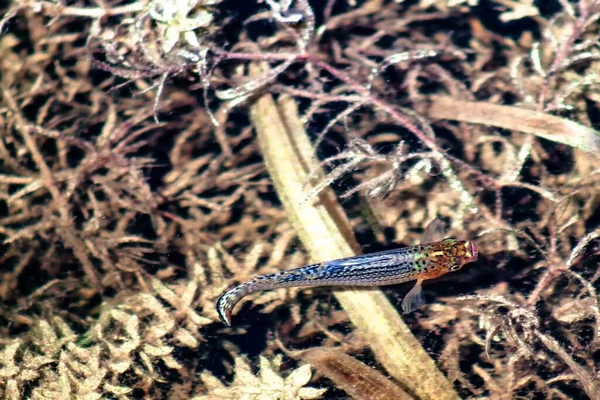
155 155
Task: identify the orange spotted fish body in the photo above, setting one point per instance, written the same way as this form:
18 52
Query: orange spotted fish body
428 260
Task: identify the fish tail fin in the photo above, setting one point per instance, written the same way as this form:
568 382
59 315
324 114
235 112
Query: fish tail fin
229 299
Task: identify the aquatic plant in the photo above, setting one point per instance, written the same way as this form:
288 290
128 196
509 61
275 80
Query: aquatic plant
154 154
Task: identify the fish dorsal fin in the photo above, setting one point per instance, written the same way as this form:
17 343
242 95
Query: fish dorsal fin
434 232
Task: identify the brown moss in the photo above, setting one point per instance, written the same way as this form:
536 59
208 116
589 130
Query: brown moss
133 191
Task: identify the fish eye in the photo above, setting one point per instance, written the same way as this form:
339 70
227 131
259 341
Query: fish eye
455 267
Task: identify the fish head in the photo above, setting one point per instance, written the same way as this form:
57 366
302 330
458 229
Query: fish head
453 254
463 252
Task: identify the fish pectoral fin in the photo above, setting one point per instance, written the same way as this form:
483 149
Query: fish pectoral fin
413 299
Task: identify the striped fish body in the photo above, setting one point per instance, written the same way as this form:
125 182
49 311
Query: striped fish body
425 261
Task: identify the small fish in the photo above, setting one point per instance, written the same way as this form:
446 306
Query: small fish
428 260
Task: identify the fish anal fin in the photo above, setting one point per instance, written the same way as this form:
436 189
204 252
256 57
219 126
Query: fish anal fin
413 299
